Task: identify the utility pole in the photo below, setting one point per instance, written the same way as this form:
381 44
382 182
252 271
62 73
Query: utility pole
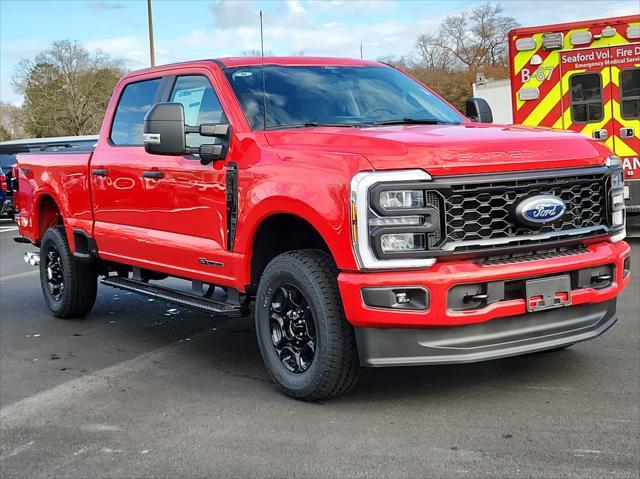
152 52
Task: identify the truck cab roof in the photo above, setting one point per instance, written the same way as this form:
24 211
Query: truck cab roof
231 62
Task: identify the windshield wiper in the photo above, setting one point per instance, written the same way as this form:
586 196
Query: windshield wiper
411 121
310 124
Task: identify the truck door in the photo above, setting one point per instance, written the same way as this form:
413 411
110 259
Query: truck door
186 204
625 80
116 171
586 93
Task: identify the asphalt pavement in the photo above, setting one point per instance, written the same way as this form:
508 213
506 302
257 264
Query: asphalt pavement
141 388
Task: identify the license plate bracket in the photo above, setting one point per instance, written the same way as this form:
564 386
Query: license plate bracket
548 293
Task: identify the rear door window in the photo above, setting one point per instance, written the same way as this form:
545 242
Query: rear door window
586 98
135 101
630 93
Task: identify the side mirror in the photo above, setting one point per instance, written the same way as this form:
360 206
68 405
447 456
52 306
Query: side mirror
165 134
478 110
164 130
211 152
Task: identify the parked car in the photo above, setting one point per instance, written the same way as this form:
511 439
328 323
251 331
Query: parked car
371 222
10 149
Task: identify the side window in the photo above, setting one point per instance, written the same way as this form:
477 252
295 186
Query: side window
630 93
586 97
128 122
201 105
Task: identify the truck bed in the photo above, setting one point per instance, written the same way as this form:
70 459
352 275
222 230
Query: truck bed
61 176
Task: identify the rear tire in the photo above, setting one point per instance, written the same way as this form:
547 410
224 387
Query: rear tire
69 286
307 344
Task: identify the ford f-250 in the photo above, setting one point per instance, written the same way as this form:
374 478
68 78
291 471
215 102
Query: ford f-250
372 223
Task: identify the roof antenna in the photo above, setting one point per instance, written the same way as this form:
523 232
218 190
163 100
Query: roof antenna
264 83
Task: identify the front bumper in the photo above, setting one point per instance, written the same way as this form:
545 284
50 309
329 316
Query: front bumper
491 340
443 276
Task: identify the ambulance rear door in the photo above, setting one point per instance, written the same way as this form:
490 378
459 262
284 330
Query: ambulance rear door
587 93
625 81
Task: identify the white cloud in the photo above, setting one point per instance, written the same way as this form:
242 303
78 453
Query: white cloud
537 12
104 5
229 15
316 27
295 7
133 50
354 6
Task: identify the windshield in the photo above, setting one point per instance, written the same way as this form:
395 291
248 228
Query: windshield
299 96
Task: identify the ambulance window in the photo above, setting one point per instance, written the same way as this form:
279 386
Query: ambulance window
586 98
630 93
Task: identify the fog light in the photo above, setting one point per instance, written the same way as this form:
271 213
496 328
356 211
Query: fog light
403 298
399 242
414 298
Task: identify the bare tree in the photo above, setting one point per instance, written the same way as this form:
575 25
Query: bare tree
11 121
431 54
66 89
402 62
470 40
256 53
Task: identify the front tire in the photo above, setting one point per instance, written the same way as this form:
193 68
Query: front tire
307 344
69 286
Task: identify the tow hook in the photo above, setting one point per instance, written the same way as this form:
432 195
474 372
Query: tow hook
32 258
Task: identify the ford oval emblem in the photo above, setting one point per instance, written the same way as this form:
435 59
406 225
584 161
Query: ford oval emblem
540 209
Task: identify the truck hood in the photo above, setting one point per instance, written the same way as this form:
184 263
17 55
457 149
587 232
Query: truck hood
450 149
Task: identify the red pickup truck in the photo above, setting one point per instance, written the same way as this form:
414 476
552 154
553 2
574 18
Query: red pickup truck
372 223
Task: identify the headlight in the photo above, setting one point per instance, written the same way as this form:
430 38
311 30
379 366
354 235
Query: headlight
616 197
399 242
391 200
395 219
617 180
613 161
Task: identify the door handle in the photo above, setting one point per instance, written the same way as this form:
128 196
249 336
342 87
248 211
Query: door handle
153 174
600 135
626 132
100 172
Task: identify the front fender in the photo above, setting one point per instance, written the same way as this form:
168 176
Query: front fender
314 188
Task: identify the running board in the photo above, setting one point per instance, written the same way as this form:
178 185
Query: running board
173 296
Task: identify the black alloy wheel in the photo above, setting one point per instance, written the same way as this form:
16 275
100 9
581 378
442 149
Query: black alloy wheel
307 344
68 284
55 272
293 328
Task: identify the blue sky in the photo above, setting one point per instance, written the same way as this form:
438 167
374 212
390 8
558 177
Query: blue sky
191 29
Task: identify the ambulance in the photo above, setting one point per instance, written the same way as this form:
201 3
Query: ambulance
583 76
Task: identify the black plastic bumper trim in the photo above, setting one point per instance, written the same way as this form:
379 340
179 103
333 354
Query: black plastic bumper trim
493 339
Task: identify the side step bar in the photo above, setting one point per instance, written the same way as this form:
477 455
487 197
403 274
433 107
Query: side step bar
173 296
